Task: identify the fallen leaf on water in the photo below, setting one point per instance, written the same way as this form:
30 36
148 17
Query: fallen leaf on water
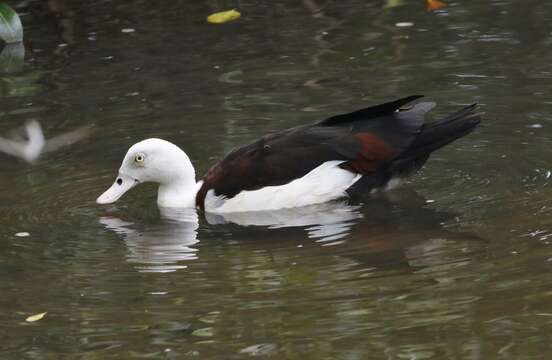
223 17
404 24
35 317
209 319
433 5
204 332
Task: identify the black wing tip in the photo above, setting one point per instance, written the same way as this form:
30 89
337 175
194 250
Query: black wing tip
414 97
370 112
476 118
473 114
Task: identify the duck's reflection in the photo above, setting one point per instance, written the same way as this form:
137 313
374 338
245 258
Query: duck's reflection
402 231
395 230
160 247
388 231
324 222
163 247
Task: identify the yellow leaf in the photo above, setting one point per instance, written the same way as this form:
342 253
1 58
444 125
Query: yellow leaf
435 5
35 317
223 17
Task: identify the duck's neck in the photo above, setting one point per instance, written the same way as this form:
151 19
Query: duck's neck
177 194
180 189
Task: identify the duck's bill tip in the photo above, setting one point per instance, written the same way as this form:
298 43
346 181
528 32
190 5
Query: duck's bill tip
104 200
121 185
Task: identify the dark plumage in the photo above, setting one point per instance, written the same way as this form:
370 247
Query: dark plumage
379 142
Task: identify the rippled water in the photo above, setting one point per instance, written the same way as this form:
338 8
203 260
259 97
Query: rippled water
456 264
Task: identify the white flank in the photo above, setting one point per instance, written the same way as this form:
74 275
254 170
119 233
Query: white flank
325 183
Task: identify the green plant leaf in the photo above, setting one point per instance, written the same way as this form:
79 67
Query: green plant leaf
11 30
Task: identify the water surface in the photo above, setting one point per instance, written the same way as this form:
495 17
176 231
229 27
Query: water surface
456 264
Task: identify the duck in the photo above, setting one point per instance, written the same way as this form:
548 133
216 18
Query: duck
368 150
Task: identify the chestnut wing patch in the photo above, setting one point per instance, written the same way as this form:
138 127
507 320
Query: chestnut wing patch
374 153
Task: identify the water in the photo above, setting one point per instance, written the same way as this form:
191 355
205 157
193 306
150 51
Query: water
456 264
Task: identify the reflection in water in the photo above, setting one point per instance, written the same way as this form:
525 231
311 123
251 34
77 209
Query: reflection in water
32 144
12 58
402 232
394 230
160 247
328 221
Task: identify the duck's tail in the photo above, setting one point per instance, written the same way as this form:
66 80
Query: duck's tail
440 133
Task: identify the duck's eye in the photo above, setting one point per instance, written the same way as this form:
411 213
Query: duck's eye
139 159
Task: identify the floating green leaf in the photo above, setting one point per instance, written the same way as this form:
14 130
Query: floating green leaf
11 30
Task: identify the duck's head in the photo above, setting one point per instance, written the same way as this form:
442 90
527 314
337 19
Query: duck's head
153 160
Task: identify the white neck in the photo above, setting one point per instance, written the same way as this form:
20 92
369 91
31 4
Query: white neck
178 187
177 194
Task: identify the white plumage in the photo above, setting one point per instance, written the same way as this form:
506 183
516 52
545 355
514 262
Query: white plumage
325 183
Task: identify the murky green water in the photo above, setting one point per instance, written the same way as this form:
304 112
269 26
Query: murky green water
456 265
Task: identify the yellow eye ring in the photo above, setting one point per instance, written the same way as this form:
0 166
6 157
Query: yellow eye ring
139 159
